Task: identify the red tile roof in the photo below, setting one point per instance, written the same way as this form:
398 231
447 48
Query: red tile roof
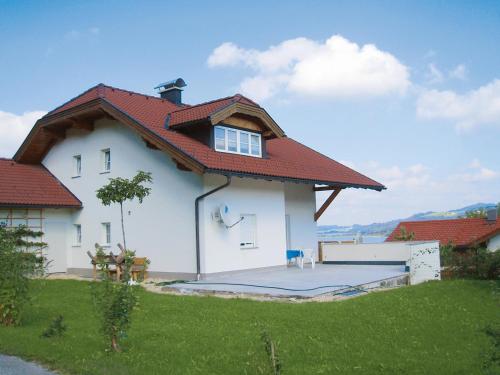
32 185
286 158
204 110
459 232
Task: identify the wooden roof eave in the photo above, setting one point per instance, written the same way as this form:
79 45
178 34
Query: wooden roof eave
249 110
112 111
331 184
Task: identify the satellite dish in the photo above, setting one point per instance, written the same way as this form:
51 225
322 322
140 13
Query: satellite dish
226 217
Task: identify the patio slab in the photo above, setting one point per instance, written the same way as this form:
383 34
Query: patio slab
294 282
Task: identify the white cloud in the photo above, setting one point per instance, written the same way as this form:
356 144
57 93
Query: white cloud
469 110
14 128
476 172
434 75
459 72
411 189
334 68
396 177
95 30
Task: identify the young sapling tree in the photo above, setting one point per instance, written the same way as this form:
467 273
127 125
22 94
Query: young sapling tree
119 190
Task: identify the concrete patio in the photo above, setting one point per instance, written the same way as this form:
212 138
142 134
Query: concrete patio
294 282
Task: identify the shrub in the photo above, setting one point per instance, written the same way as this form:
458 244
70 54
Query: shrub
19 262
56 328
114 301
477 263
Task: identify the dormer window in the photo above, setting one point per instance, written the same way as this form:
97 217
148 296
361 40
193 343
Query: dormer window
237 141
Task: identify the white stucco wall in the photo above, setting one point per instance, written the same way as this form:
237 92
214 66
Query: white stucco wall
162 228
300 205
494 243
56 227
381 252
422 257
220 247
425 263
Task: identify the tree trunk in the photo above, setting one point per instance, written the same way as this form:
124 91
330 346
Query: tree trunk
114 344
123 226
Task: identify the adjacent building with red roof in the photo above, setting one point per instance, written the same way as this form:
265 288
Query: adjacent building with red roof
460 233
227 152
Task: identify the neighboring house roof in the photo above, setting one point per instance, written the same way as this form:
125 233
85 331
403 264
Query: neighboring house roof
25 185
458 232
156 119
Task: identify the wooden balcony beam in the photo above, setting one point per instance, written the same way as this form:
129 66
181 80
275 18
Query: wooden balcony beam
327 203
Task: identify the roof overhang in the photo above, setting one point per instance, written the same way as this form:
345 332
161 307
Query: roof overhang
329 185
49 129
38 206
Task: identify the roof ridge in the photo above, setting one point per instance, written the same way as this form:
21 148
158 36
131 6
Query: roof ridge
9 159
247 98
74 98
444 220
205 103
140 94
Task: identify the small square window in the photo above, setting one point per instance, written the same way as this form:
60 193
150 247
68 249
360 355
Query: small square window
106 160
78 234
77 165
106 234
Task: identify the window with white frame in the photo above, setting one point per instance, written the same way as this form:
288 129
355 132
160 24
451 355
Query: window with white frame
248 231
106 234
78 234
106 160
77 165
237 141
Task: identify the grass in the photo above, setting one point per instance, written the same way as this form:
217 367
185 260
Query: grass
433 328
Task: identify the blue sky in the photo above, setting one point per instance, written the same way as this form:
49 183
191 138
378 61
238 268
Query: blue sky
405 92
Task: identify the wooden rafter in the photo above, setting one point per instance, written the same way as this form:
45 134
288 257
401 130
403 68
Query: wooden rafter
327 203
324 188
82 124
55 133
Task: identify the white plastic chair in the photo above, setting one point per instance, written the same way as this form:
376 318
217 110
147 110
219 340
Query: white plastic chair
307 254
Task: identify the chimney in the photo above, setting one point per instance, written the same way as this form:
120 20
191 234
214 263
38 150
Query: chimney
492 215
172 90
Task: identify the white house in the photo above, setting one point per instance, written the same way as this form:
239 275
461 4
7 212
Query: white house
225 152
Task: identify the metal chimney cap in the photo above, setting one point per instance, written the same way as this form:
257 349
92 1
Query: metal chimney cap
170 85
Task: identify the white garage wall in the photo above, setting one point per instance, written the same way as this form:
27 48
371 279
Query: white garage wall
162 228
220 248
300 205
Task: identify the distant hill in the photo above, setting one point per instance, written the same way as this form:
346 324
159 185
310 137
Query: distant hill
384 229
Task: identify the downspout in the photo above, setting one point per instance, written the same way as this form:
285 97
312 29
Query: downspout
197 220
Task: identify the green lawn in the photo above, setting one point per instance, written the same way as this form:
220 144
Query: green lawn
433 328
